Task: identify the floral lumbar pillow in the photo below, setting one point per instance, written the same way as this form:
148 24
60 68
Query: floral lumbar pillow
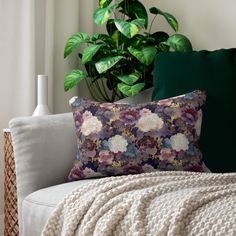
117 139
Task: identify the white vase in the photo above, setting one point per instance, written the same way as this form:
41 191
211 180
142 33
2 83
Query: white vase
42 96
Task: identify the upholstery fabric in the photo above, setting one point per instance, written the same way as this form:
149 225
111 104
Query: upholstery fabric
214 72
38 206
43 147
116 139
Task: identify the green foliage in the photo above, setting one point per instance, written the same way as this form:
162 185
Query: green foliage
72 78
169 18
106 63
74 42
129 29
129 79
122 60
101 15
130 90
179 43
104 3
145 55
89 52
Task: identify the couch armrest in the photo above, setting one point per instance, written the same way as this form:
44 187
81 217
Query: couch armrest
44 150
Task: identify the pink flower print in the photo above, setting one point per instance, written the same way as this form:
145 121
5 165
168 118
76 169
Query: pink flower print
167 155
129 116
189 115
105 157
164 102
145 112
87 115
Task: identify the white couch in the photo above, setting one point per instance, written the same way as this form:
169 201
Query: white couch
44 150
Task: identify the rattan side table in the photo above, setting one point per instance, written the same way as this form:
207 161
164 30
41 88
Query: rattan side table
11 227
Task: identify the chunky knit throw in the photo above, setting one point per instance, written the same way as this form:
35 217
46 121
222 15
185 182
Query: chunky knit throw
158 203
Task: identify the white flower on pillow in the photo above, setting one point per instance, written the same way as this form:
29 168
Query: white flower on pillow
145 112
91 124
149 121
72 100
179 142
199 123
87 115
117 144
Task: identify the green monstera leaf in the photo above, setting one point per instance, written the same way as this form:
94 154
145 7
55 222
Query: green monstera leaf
160 37
89 52
72 78
130 90
116 5
144 55
102 37
129 79
129 29
101 15
179 43
104 3
169 18
115 34
135 10
75 41
98 38
106 63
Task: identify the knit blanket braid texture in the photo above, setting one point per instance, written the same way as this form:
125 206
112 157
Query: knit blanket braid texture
158 203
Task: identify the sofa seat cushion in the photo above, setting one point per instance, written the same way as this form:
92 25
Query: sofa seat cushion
38 206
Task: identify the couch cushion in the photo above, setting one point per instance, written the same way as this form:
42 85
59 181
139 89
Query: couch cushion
40 152
119 139
38 206
214 72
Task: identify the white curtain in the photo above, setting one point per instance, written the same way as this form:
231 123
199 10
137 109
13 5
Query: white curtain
32 38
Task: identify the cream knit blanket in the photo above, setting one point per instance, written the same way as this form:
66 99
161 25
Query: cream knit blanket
159 203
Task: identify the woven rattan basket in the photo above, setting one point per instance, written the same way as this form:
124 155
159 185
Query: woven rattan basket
10 198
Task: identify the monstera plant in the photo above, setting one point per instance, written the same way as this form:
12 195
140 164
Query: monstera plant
120 63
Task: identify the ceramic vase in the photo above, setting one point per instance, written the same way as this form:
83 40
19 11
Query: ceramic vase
42 96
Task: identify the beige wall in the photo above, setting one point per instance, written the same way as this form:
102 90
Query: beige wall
210 24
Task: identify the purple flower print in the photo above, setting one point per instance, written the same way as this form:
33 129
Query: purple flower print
78 117
147 142
129 116
132 169
106 157
116 139
189 115
88 145
75 174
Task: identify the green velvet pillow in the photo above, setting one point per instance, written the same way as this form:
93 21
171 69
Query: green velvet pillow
177 73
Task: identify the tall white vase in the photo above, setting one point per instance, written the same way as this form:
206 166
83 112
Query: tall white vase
42 96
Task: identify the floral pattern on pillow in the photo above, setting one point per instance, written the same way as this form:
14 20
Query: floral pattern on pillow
120 139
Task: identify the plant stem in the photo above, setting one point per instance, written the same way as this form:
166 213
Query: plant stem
113 95
123 17
151 24
90 91
117 94
104 88
100 91
144 74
